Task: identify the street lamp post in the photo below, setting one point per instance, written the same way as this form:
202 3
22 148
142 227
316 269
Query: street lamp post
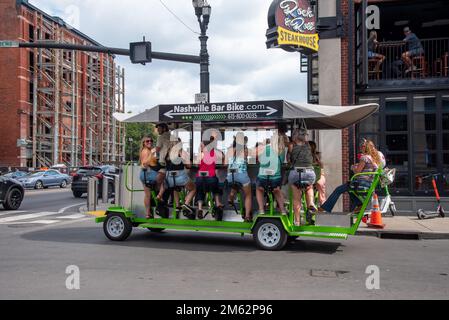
203 11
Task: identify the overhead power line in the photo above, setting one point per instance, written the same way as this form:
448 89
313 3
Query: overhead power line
177 18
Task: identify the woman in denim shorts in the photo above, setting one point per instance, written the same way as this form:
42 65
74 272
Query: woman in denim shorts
238 173
177 163
302 176
148 174
271 158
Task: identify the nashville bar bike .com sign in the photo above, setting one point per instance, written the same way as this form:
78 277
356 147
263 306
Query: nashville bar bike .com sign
292 26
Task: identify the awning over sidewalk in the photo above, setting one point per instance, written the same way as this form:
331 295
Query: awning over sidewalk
315 116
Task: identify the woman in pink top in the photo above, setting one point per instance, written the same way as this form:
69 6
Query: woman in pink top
206 179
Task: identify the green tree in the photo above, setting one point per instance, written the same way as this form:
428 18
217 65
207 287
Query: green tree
134 134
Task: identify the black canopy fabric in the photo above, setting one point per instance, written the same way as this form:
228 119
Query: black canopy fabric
314 116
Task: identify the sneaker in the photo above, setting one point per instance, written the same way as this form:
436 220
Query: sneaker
310 219
200 214
188 212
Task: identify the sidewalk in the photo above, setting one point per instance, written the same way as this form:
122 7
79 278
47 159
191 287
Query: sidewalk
409 228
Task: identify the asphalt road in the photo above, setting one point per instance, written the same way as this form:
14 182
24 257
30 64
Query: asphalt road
199 266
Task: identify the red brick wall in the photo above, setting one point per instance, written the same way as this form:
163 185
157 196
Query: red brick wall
10 86
346 99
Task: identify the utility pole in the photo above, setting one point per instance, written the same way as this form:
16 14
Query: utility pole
203 11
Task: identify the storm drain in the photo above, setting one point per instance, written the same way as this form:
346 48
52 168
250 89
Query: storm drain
400 236
326 273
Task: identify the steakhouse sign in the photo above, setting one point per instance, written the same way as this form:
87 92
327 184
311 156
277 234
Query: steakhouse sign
292 25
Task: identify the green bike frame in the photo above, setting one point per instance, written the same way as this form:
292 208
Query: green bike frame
174 223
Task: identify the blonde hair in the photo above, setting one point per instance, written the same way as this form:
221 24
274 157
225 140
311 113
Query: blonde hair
371 150
278 142
143 144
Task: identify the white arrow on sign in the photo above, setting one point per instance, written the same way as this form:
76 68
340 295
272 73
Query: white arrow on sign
270 111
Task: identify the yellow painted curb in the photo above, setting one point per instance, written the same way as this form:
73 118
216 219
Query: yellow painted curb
97 214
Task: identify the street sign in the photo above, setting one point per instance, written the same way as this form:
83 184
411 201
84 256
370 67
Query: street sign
228 111
201 98
9 44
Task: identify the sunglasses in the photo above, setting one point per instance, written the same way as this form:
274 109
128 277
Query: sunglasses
148 141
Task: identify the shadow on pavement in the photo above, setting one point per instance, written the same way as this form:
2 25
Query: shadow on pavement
205 242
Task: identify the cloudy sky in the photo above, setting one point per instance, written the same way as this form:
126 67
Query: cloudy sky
241 66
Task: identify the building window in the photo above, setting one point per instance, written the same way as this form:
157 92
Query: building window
413 132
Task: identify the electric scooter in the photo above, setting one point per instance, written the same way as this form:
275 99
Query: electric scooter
423 215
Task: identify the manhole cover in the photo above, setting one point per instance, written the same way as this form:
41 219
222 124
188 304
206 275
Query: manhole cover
326 273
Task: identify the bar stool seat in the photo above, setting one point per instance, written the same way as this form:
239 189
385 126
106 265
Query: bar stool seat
374 70
419 67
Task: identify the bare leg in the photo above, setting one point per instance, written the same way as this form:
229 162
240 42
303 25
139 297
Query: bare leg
191 188
321 187
260 200
406 59
248 201
161 185
297 204
280 199
147 201
310 197
218 200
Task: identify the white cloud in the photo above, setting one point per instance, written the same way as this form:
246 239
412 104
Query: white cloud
241 66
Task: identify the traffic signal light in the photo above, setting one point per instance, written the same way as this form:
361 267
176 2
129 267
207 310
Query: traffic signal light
140 52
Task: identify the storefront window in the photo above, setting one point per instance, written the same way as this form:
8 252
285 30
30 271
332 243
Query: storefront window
400 183
397 142
425 142
371 124
446 141
413 140
425 122
423 183
426 161
396 106
396 122
398 161
424 104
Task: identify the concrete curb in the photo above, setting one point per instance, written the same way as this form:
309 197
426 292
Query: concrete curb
404 235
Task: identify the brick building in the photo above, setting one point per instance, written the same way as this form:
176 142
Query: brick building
56 106
412 125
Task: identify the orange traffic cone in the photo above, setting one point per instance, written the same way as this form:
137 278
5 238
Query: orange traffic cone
376 215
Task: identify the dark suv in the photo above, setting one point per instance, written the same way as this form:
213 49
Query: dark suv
11 193
81 178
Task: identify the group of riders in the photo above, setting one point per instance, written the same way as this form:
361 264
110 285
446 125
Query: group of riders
281 160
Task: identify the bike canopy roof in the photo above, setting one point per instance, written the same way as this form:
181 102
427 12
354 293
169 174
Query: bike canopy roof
315 116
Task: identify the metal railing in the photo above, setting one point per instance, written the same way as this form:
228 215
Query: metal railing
432 62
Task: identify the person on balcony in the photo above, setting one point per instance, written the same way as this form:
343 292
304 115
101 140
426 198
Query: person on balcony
414 49
372 46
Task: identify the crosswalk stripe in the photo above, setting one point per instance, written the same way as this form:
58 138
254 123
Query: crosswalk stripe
35 222
5 213
26 217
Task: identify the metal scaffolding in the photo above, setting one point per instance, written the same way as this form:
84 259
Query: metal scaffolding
74 96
